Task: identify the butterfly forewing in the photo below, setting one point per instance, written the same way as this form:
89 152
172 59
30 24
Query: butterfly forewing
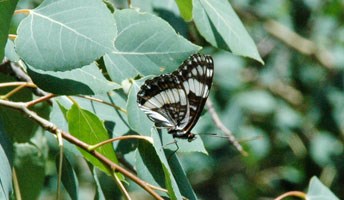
176 100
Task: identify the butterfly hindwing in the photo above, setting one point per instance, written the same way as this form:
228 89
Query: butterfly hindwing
176 100
197 75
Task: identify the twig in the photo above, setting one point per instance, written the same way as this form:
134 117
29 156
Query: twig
104 102
16 185
39 100
287 92
12 92
220 125
299 43
125 137
119 183
26 84
60 142
292 193
47 125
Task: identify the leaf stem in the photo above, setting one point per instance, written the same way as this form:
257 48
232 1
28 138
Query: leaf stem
104 102
125 137
60 142
16 185
121 186
292 193
12 92
39 100
22 11
26 84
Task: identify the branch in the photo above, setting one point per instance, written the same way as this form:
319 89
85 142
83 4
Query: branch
222 127
47 125
299 43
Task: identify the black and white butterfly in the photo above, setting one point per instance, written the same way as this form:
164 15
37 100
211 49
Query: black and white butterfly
175 100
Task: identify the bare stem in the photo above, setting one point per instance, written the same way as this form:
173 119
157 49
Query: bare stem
26 84
39 100
299 43
12 92
104 102
125 137
119 183
292 193
222 127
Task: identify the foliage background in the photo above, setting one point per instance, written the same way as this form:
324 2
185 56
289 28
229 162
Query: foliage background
294 103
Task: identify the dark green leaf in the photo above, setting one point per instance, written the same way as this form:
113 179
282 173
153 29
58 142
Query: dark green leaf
170 182
6 157
99 191
68 177
6 9
148 165
29 164
181 178
86 80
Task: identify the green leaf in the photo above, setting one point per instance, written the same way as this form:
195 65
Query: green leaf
138 120
185 8
87 80
64 35
10 52
181 178
68 178
170 182
6 9
88 128
10 118
156 47
6 157
318 191
29 164
219 25
99 191
116 121
148 164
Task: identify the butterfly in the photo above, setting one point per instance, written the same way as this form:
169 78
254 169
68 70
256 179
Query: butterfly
175 100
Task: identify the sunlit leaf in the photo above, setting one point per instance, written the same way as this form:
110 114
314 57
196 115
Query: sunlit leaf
318 191
88 128
185 8
220 26
64 35
155 49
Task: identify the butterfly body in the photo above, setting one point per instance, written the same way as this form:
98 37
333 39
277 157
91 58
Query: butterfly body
175 100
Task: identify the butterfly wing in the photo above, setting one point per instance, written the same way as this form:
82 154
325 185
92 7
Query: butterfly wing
164 101
197 75
175 101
